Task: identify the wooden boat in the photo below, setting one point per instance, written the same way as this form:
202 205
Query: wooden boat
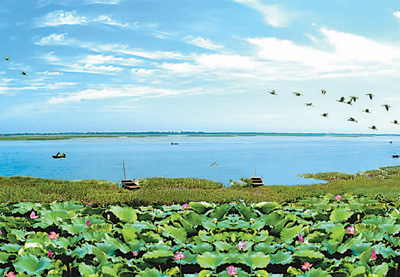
396 156
59 155
128 183
174 143
256 181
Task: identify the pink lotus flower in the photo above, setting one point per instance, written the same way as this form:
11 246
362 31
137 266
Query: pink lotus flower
373 255
10 274
33 215
185 206
306 266
241 245
232 270
1 232
135 253
88 223
338 197
351 230
179 256
53 235
301 239
50 254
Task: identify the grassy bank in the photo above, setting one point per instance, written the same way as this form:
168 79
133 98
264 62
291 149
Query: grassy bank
384 182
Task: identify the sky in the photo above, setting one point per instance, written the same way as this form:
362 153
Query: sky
199 65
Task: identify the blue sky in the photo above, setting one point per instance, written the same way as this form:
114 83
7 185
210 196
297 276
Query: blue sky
198 65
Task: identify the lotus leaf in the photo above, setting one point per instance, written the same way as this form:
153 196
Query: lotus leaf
265 247
10 247
4 257
151 273
158 256
358 247
177 233
289 233
201 207
317 273
380 270
267 207
32 265
223 246
281 257
210 260
201 247
73 229
125 214
331 245
86 270
358 271
391 228
340 214
308 256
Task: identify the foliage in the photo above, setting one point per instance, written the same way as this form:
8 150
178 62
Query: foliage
144 241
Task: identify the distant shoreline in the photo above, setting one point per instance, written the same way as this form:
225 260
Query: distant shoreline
71 135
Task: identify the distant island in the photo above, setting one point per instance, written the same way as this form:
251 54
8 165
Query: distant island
70 135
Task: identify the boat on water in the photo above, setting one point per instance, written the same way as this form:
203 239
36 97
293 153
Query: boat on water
396 156
128 183
174 143
59 155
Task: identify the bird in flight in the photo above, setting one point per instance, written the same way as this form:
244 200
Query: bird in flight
272 92
366 111
7 58
323 91
309 104
341 100
370 95
352 119
324 114
353 98
373 127
24 73
297 93
395 122
349 102
387 107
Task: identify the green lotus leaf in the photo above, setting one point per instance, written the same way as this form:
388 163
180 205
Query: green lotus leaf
80 252
273 218
375 208
358 248
201 207
308 255
108 248
246 212
56 215
317 273
262 236
297 205
340 214
331 245
391 228
219 211
267 207
265 247
129 233
317 237
125 214
179 234
24 207
151 273
10 247
158 256
108 271
32 265
255 260
100 255
358 271
86 270
4 257
15 223
210 260
374 235
193 218
289 233
281 257
378 220
172 271
73 229
201 247
380 270
67 206
338 232
223 246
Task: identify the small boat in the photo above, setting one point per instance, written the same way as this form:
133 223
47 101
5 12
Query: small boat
256 181
174 143
396 156
59 155
128 183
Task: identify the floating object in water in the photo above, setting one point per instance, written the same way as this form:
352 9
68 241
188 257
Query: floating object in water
128 183
59 155
174 143
396 156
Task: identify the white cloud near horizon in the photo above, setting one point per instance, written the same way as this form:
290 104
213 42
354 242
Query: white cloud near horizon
202 42
274 15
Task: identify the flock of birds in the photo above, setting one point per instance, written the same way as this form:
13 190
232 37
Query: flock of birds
22 72
348 101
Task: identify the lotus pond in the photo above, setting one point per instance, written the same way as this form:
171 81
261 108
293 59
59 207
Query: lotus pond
342 235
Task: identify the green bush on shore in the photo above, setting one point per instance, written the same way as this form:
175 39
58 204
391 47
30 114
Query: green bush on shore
165 191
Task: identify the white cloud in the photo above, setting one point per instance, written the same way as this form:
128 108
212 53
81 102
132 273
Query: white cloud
107 2
60 17
397 14
54 39
202 42
109 21
274 15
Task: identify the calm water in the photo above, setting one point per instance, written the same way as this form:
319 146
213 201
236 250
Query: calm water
278 159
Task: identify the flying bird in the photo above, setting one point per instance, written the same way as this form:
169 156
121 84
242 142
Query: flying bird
353 98
272 92
386 106
7 58
309 104
352 119
349 102
23 73
366 111
373 127
370 95
341 100
395 122
323 91
324 114
297 93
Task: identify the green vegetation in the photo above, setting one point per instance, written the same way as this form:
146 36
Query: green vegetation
164 191
342 235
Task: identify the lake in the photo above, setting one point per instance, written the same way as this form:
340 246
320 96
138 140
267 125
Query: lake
278 159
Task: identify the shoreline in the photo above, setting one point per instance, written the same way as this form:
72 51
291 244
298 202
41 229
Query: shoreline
71 135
